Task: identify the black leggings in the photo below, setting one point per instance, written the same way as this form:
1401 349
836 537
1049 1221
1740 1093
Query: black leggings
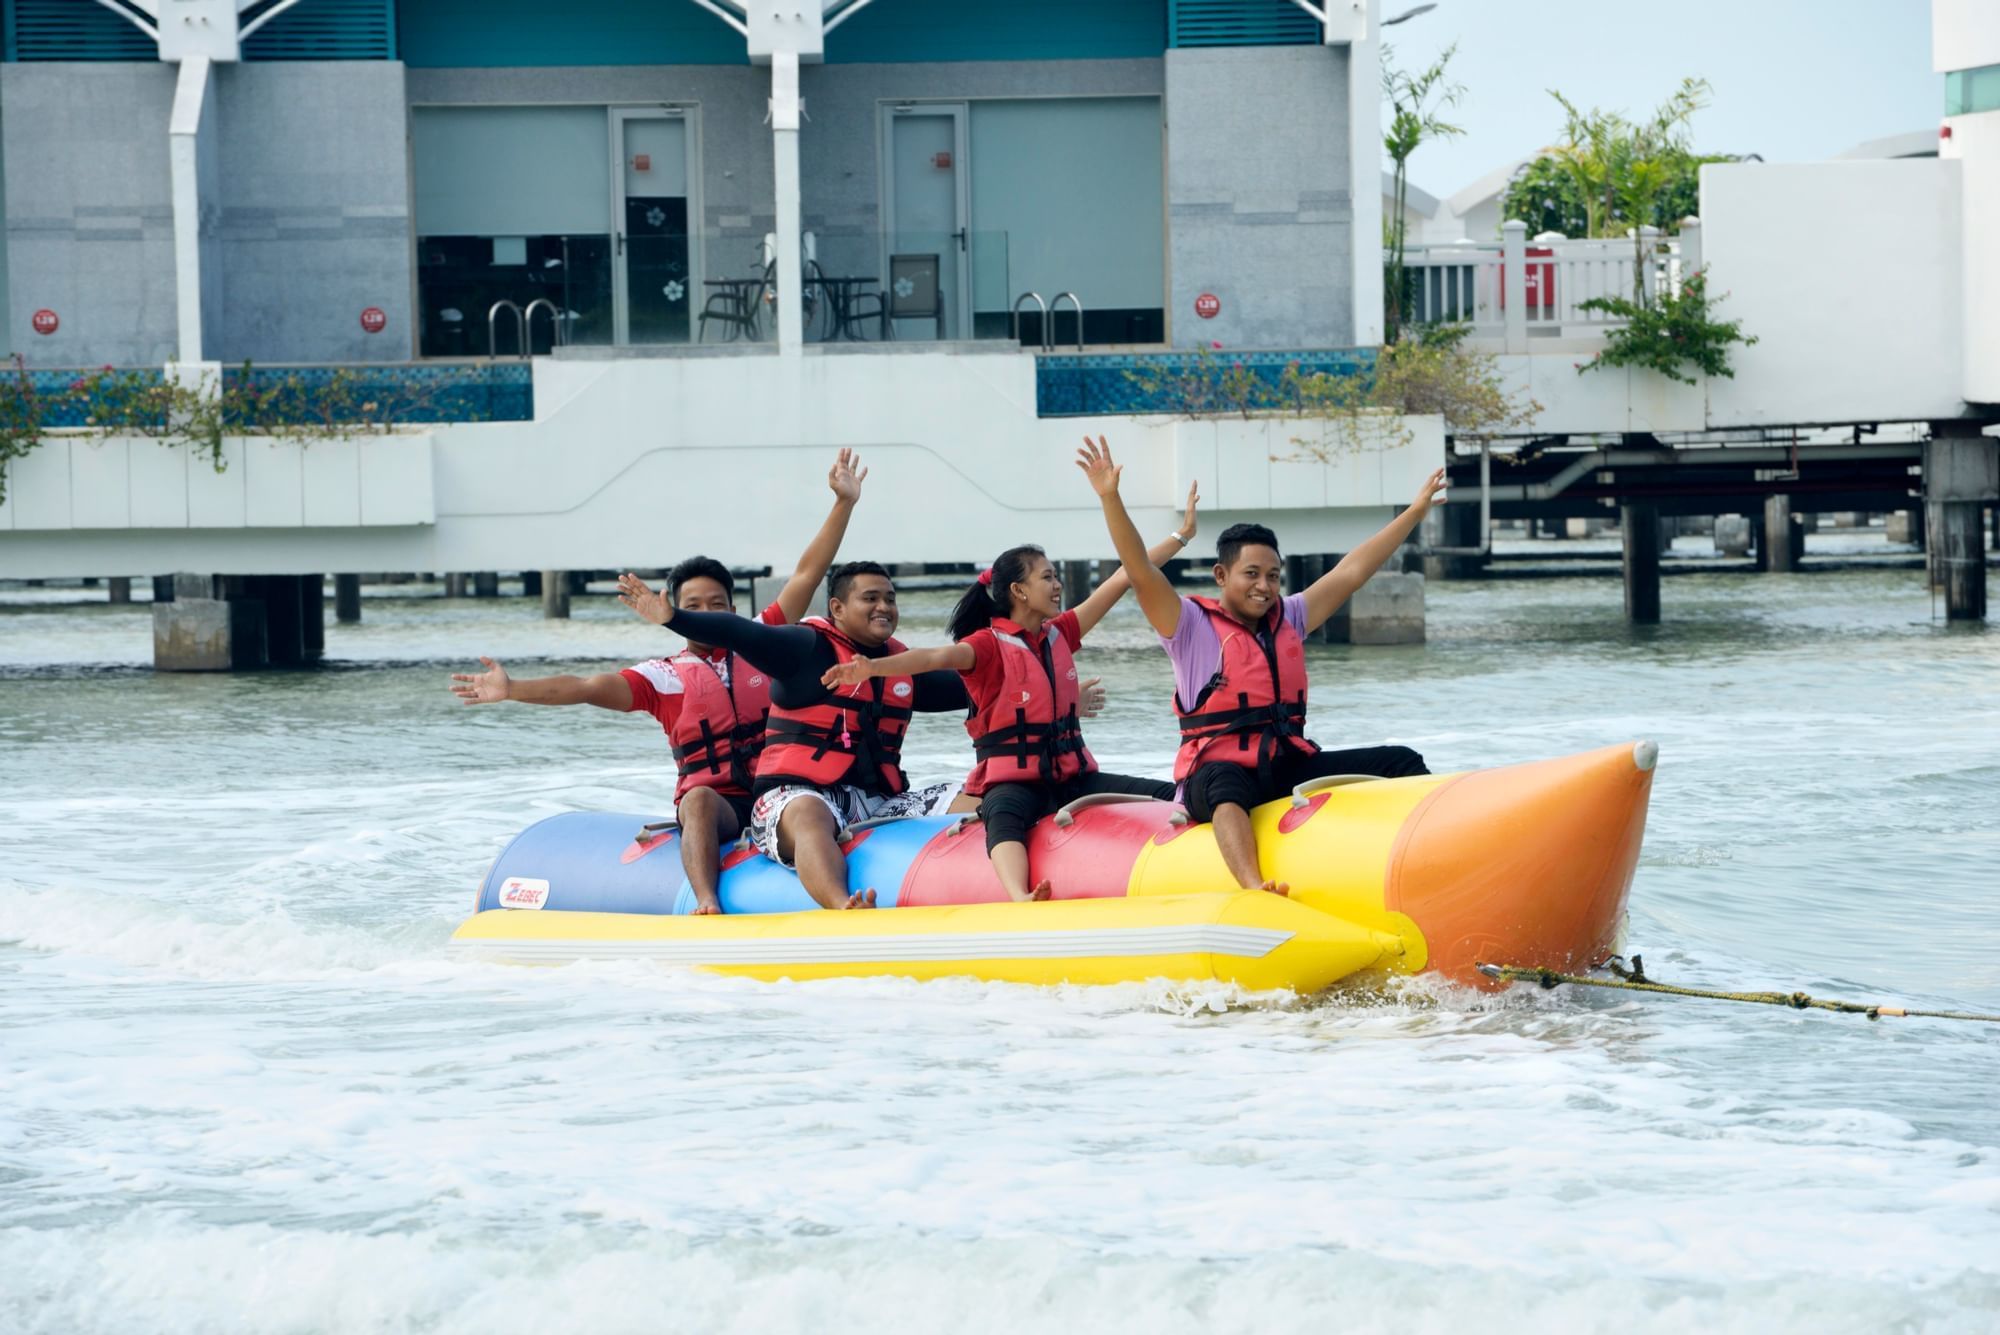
1223 784
1009 809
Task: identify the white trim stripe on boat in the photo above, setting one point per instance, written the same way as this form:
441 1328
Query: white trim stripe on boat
1200 939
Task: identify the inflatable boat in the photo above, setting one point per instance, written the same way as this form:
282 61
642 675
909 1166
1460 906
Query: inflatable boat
1526 864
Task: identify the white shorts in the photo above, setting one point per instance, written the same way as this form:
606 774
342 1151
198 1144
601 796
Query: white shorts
849 805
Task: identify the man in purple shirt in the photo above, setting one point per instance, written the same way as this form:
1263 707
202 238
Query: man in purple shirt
1239 665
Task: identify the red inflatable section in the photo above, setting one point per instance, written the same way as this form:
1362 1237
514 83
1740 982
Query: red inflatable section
1090 859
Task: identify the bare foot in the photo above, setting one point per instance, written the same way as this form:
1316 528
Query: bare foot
1042 892
706 904
860 899
1276 887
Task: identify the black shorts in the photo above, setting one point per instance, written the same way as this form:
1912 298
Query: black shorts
1223 784
740 803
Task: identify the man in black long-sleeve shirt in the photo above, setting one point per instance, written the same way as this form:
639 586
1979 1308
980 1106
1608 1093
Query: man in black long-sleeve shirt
855 773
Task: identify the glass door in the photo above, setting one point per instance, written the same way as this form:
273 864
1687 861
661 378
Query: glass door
926 206
655 253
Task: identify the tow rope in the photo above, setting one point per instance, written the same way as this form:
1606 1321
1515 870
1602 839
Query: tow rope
1635 980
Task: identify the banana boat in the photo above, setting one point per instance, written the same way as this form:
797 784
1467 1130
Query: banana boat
1525 864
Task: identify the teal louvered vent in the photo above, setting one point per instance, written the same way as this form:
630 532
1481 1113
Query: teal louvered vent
325 30
1239 23
66 30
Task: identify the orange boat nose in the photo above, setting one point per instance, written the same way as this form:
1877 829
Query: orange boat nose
1532 861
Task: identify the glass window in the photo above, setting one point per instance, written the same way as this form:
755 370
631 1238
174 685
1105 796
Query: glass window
1968 91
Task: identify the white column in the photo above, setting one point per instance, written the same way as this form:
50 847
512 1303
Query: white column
1514 281
785 151
190 124
1364 169
1690 248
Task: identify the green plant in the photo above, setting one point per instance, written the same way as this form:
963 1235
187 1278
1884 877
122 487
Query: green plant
1676 330
1415 101
21 416
1621 170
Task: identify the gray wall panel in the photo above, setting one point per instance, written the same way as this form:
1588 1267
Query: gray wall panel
1258 189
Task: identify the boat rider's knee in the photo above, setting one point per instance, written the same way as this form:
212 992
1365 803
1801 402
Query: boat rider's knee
1398 761
701 806
1220 784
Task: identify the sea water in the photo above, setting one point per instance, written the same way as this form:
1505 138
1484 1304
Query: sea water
243 1088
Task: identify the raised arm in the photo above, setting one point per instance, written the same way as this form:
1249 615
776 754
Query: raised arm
606 690
1325 594
800 591
909 663
1106 595
1157 598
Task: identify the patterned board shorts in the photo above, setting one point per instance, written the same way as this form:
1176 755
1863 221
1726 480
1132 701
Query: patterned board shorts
849 806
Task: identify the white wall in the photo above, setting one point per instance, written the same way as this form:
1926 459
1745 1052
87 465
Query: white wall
638 462
1851 276
1965 34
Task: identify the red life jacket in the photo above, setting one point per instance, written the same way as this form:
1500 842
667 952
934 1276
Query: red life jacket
720 729
1254 708
1029 731
854 735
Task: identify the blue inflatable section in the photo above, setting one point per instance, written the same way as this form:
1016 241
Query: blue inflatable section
586 859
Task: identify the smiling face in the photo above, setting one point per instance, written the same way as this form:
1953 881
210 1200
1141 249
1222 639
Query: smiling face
867 615
1248 587
700 593
1038 593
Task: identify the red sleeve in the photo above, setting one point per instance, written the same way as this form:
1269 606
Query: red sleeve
648 699
1070 629
773 615
984 677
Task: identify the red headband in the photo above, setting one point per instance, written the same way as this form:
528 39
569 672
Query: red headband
986 577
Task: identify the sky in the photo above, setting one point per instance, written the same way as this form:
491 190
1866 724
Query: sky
1794 80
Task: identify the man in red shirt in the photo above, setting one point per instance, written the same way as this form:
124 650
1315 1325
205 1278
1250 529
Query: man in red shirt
716 744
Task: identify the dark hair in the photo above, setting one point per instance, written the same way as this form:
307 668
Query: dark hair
1238 536
982 602
700 567
841 576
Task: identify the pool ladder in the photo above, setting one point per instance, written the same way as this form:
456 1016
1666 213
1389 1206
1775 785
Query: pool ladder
1049 309
524 325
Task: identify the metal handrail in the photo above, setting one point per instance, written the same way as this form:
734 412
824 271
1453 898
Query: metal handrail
1049 333
1015 315
528 326
493 326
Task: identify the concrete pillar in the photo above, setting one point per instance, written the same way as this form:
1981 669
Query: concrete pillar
163 588
555 594
1782 540
294 617
1904 526
1453 526
1388 609
1961 475
454 584
121 588
1076 581
486 584
785 112
1732 535
531 583
347 599
200 630
1640 524
312 619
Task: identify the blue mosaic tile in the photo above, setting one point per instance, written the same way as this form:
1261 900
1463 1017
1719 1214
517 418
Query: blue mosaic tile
1113 384
412 393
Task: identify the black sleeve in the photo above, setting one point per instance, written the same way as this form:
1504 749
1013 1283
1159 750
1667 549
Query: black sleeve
940 692
793 657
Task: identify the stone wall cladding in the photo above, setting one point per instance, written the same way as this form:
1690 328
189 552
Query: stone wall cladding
1260 212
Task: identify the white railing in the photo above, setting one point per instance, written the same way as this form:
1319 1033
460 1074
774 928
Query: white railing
1474 284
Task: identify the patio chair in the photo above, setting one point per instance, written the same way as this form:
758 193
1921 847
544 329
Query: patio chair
913 293
740 306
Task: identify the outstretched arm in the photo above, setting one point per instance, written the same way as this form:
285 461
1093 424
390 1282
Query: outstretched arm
845 479
1325 594
909 663
606 690
1106 595
1157 598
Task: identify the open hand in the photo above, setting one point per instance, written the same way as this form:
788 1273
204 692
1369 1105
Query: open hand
1187 520
846 476
851 673
646 604
1431 493
1095 461
483 688
1090 698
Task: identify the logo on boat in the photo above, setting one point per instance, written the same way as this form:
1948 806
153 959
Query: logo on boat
523 892
902 688
757 680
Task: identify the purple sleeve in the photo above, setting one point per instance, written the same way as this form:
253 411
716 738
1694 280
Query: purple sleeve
1193 650
1295 612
